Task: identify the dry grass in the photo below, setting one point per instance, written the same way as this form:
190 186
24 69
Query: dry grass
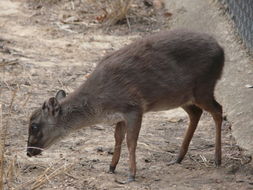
10 165
117 11
1 149
109 12
3 140
114 11
47 176
105 14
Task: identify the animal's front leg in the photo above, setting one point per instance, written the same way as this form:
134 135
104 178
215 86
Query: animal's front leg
133 128
119 135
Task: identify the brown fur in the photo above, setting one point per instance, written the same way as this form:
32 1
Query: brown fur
163 71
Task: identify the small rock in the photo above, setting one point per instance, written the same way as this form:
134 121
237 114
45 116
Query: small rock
148 3
167 14
100 149
72 19
34 73
249 86
95 160
71 148
175 120
171 151
99 127
147 160
239 181
110 151
158 4
225 118
27 83
38 7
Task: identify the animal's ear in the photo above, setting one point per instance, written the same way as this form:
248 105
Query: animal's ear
51 107
60 95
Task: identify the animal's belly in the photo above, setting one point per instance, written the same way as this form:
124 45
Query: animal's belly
112 118
168 104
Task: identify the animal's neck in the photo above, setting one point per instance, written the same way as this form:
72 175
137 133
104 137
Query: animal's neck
88 106
80 110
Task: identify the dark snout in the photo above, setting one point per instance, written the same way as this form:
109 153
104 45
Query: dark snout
33 151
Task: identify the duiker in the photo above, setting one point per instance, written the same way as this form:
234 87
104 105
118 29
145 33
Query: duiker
163 71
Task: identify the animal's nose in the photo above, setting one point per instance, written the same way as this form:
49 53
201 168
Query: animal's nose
29 154
33 151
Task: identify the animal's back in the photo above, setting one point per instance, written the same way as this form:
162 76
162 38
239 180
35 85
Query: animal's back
161 71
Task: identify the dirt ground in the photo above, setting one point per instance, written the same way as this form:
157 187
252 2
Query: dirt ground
54 45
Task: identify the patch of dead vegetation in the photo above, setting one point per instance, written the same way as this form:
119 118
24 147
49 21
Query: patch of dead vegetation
110 16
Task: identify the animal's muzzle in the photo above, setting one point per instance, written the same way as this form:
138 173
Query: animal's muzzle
33 152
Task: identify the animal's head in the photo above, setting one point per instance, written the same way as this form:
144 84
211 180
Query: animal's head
45 125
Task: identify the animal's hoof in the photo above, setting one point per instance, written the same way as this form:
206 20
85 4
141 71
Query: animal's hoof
217 163
112 169
173 162
130 179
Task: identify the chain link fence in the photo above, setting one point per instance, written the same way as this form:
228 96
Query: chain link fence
241 11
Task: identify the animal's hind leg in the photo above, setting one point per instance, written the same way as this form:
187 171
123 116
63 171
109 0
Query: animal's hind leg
215 109
194 113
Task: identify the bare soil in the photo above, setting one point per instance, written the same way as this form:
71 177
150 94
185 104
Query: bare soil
54 45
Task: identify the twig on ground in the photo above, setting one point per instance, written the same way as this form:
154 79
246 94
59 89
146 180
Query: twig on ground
128 23
204 160
61 83
7 85
47 175
26 100
73 5
192 158
44 178
11 172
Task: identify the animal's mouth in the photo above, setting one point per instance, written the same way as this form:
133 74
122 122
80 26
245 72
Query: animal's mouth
33 151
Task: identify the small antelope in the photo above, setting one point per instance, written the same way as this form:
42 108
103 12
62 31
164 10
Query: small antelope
166 70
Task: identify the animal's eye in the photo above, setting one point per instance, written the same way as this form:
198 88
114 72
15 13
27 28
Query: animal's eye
34 128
